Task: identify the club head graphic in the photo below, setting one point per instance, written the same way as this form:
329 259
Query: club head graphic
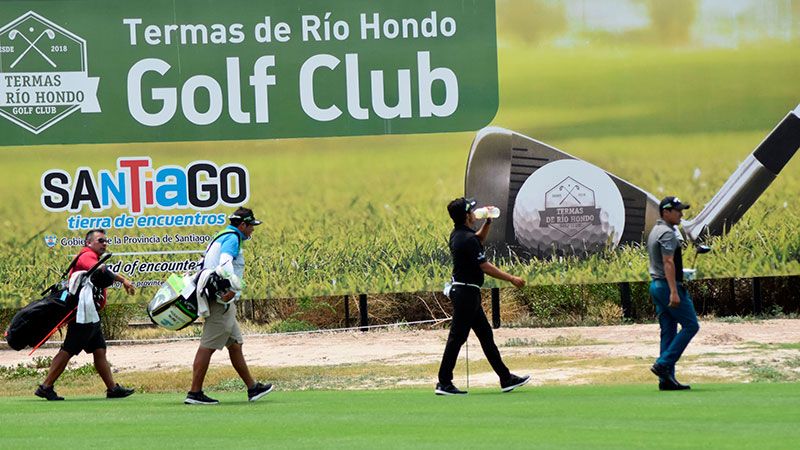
501 160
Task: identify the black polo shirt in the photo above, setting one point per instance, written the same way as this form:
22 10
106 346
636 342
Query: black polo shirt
468 255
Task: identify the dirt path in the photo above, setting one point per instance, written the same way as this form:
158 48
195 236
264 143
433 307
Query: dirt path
732 343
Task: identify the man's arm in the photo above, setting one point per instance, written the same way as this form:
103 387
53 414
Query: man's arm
125 283
221 253
483 231
669 273
491 270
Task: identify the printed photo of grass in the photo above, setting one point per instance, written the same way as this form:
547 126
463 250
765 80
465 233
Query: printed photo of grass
367 214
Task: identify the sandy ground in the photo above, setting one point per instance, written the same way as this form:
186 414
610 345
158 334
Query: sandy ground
717 341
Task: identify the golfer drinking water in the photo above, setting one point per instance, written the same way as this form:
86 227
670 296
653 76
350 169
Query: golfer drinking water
469 266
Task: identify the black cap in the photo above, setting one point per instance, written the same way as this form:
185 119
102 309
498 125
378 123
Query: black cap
672 203
243 215
459 208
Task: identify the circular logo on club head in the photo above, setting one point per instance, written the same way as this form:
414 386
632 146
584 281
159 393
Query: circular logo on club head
568 207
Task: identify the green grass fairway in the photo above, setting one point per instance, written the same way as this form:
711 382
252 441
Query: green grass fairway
710 416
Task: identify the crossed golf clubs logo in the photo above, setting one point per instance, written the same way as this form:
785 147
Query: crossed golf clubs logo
573 218
35 95
569 193
13 34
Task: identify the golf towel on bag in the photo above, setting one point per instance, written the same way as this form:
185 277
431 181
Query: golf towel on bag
85 293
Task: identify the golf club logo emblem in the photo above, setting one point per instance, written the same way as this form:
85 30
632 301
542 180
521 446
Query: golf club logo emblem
569 207
50 240
43 73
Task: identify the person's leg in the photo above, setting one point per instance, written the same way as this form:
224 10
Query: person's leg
57 367
239 363
73 344
216 334
659 294
103 367
96 345
669 330
463 306
686 316
483 330
200 366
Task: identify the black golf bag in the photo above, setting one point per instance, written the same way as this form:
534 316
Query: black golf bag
39 319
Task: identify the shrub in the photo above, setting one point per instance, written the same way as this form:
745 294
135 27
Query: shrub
115 318
289 325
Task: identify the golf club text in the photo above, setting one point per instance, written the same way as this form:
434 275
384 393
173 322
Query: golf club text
316 71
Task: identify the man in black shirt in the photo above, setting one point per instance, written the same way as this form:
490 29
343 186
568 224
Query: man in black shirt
469 265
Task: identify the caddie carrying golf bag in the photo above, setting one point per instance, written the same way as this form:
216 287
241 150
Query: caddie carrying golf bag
36 322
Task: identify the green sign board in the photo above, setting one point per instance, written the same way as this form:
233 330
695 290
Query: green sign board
154 70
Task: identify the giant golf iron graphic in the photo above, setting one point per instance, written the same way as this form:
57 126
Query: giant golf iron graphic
557 204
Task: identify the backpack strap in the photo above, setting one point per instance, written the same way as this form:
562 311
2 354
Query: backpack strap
214 239
54 286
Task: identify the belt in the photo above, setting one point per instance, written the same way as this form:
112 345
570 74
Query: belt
458 283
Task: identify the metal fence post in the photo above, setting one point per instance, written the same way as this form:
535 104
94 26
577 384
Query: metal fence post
757 303
625 298
496 307
362 311
347 311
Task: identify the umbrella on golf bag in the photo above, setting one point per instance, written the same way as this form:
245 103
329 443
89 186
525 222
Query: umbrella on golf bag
182 299
36 322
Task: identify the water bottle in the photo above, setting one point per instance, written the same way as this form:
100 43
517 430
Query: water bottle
487 212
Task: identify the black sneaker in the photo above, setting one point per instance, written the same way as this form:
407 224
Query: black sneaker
448 389
118 392
257 391
513 382
667 386
661 371
48 393
199 398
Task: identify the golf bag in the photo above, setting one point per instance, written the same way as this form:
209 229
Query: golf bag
36 322
175 305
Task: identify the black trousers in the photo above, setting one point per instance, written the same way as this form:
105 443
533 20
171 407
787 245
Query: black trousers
468 314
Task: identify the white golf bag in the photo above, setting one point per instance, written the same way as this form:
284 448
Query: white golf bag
182 299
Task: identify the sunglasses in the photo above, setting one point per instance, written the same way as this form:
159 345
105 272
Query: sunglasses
103 241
